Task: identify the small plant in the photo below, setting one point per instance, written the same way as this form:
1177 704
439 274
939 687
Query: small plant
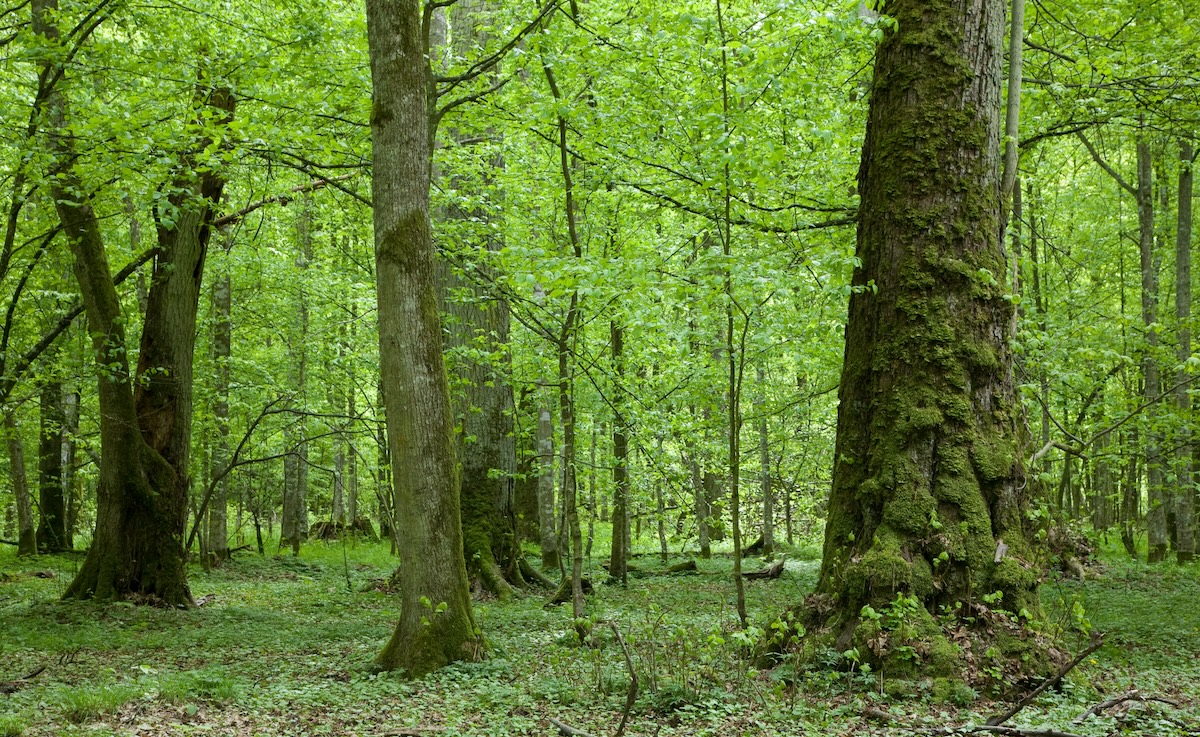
12 725
181 688
85 703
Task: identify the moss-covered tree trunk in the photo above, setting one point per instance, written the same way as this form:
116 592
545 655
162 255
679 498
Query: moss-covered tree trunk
436 625
926 500
1185 507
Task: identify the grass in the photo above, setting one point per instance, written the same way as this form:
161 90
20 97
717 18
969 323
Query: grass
281 650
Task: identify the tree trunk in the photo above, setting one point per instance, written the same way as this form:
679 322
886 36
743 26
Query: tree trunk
293 527
436 624
1156 514
52 506
1185 538
926 499
548 524
26 536
618 563
71 484
222 343
764 461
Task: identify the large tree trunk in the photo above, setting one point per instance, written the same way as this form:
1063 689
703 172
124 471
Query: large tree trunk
52 506
926 496
436 624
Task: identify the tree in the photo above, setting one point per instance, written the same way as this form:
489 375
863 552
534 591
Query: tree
145 415
927 486
436 624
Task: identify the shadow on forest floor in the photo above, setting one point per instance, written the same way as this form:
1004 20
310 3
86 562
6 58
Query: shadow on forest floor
279 650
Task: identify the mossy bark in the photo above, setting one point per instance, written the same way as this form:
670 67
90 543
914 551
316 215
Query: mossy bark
436 624
927 484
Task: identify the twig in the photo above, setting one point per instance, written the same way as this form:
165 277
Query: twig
631 695
995 721
1130 695
13 686
566 730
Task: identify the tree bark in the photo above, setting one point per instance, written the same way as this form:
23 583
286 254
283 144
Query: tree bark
926 498
293 527
548 524
618 563
1185 537
436 624
222 344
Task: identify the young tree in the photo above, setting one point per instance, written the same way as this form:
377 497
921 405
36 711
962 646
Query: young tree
436 624
926 499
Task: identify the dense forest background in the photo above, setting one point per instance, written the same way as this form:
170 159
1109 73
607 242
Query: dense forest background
644 216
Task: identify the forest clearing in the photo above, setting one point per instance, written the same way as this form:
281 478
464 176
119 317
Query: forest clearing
282 646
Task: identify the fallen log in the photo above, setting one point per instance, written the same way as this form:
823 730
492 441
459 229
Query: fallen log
775 570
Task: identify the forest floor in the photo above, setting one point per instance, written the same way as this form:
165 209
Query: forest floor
281 645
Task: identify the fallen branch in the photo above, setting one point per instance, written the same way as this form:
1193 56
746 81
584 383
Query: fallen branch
1130 695
775 570
1097 641
7 687
566 730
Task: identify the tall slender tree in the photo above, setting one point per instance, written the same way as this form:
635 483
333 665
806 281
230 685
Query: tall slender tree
436 624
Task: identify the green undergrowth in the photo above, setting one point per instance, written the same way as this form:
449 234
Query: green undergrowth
281 644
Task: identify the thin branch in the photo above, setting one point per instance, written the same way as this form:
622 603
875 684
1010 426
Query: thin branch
282 199
483 65
1105 166
999 719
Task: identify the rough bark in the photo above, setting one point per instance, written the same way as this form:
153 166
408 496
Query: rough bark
1185 527
436 624
926 499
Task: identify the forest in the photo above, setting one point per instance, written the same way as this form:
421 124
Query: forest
598 367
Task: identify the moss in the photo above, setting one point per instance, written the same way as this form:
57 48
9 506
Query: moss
953 691
994 457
